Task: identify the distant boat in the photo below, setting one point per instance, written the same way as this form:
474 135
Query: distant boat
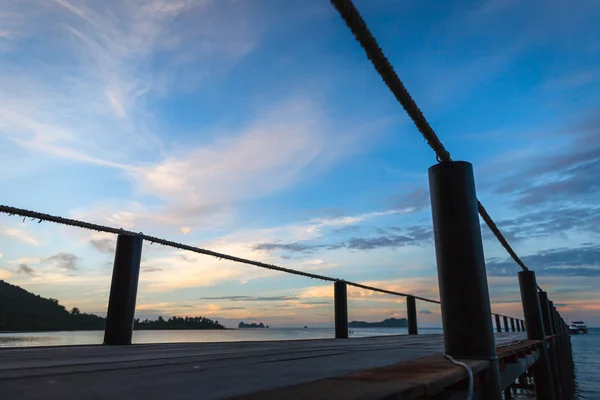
573 330
578 327
305 326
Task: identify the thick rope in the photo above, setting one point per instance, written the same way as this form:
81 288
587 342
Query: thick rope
101 228
366 39
363 35
359 285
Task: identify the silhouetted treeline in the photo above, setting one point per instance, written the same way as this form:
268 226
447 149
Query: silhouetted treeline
24 311
177 323
252 325
386 323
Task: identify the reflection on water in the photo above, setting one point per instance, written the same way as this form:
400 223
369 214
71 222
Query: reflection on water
181 336
50 338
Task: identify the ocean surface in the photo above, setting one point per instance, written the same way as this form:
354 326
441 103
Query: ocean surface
586 348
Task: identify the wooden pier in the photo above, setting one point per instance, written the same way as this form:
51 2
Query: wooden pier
407 366
469 361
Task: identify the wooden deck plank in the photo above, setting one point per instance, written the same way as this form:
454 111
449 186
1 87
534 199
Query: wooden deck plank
200 370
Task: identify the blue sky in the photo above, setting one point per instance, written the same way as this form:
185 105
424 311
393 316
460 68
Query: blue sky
258 128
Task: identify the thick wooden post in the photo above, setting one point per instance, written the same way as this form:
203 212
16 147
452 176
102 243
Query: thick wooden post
411 312
543 296
505 323
123 291
542 374
563 355
512 325
559 348
464 295
498 327
341 309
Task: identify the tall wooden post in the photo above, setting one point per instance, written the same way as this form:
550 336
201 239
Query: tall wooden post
563 356
542 373
411 312
123 291
552 351
340 298
464 295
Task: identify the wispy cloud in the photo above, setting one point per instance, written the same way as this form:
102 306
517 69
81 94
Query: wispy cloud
582 261
561 174
65 261
19 234
411 236
250 298
25 269
91 96
106 245
201 185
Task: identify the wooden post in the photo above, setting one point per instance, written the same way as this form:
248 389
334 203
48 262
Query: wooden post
341 309
411 312
464 295
560 356
518 323
562 350
542 374
498 326
552 351
512 325
522 326
123 291
505 323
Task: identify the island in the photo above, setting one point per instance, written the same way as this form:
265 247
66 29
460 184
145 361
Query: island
387 323
177 323
252 325
22 311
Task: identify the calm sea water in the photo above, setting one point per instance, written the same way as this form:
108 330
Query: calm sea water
586 348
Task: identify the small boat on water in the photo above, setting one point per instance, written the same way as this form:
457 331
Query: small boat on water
578 327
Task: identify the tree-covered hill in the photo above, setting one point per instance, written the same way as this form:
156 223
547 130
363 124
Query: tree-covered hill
21 310
24 311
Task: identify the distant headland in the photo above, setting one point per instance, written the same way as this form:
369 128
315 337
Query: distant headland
387 323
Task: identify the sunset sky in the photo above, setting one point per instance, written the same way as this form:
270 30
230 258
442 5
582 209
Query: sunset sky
260 129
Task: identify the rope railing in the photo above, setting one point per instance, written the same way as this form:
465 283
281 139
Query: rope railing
34 215
38 216
375 54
